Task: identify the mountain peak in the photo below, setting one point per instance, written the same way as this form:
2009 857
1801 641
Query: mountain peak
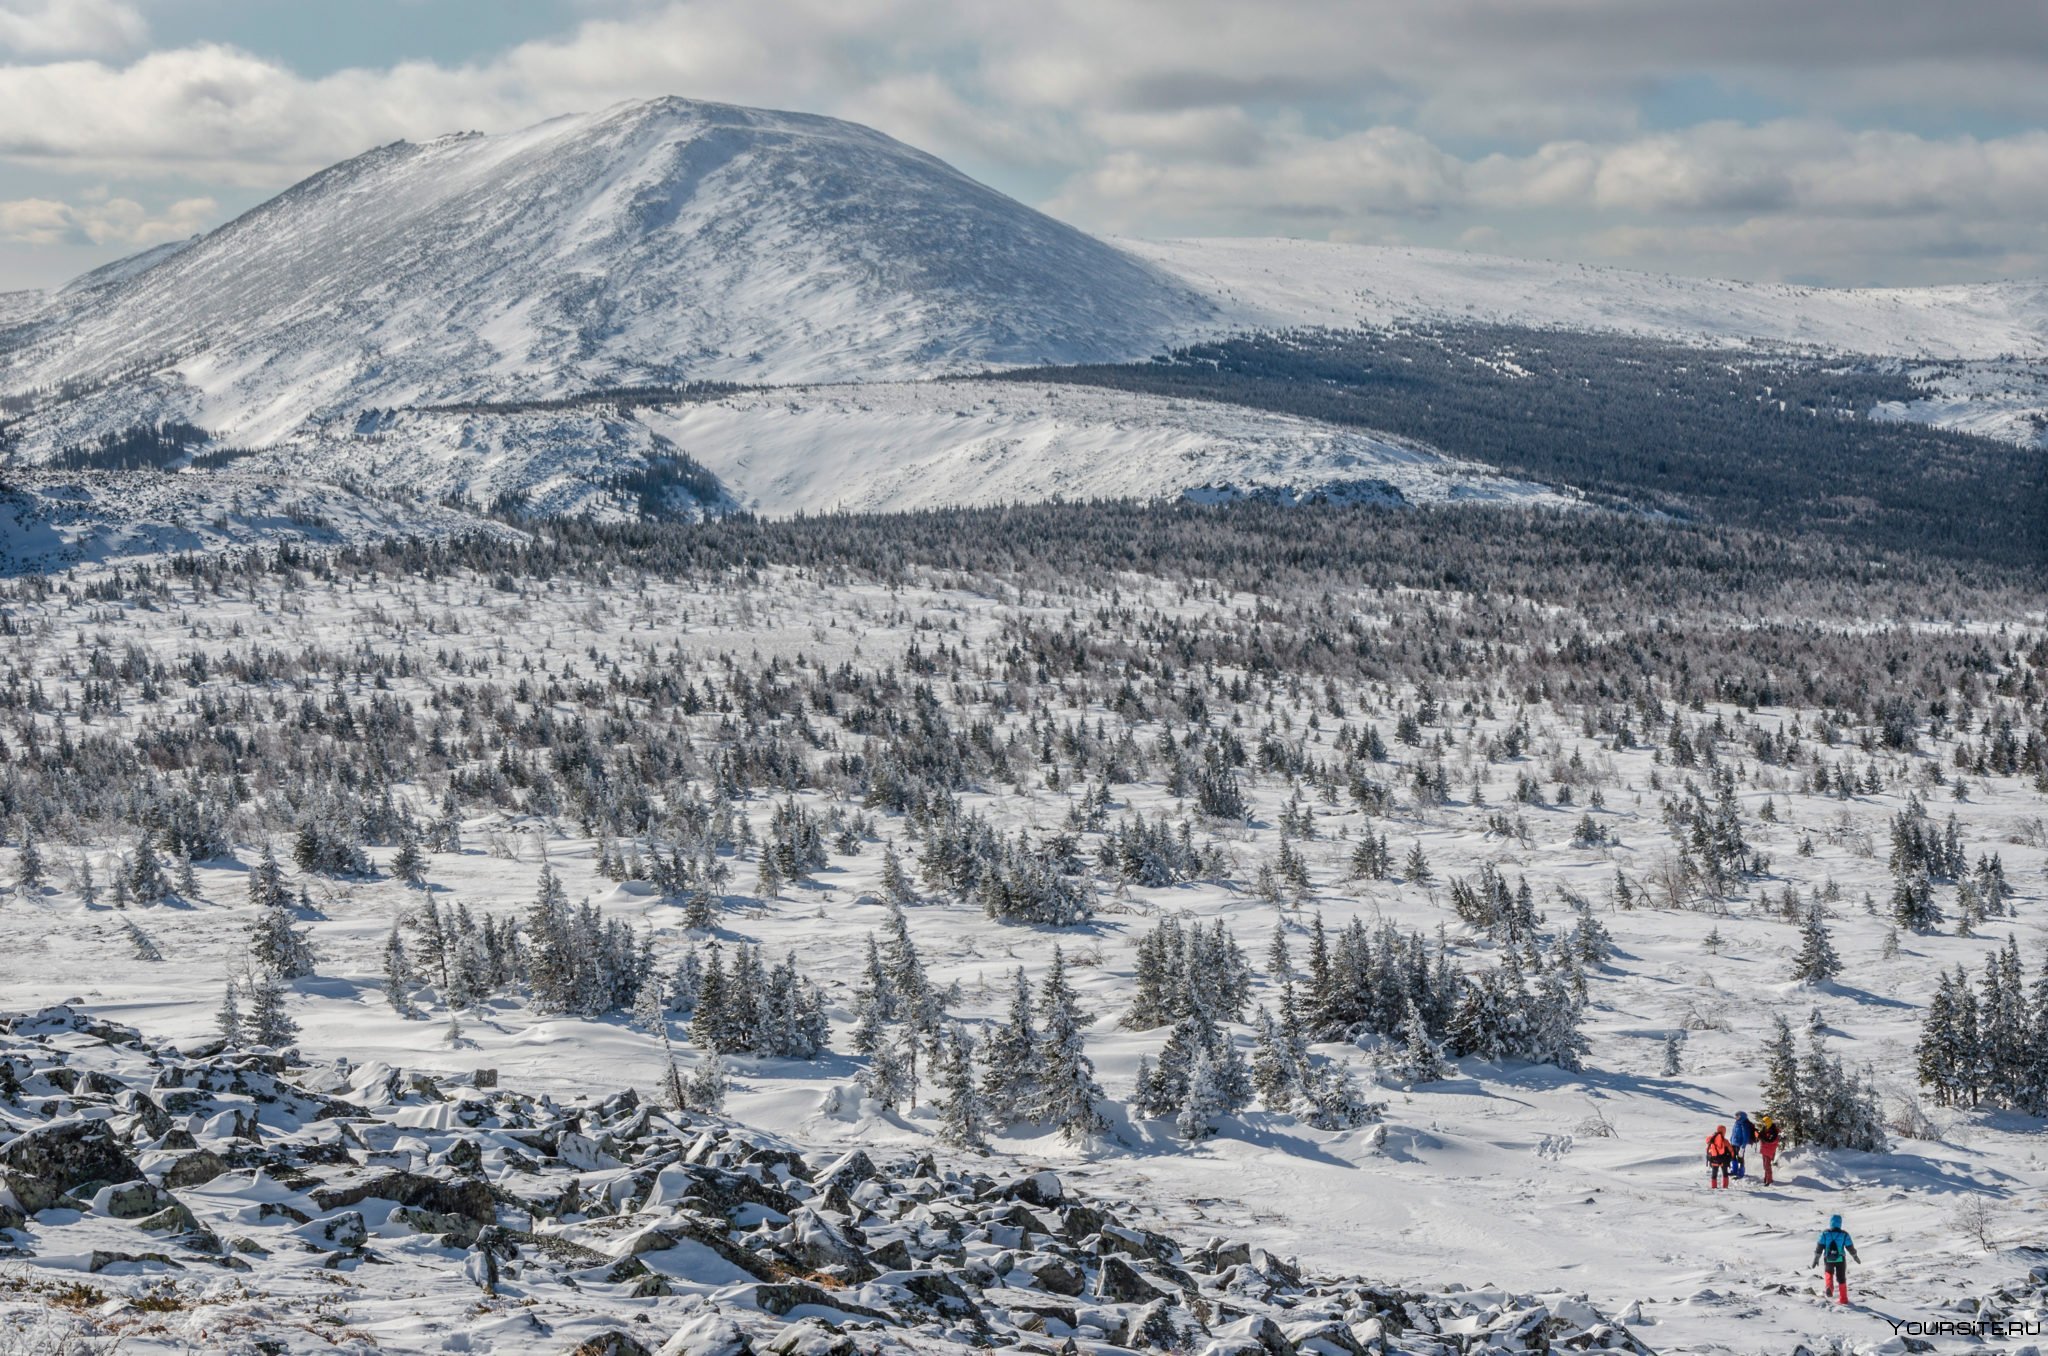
656 241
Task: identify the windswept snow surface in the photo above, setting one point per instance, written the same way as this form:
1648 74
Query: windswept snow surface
1274 284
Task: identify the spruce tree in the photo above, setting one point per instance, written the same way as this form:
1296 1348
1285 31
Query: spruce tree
409 864
1781 1090
674 1095
398 978
1279 959
1420 1061
708 1024
1068 1094
146 879
889 1076
1009 1082
962 1117
705 1091
1417 870
227 1020
279 946
1816 962
29 865
269 1024
266 881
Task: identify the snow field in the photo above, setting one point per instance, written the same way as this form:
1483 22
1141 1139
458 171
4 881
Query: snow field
1524 1177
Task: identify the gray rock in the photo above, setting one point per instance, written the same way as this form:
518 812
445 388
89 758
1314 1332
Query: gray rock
195 1169
1119 1284
345 1230
69 1154
1163 1326
133 1200
613 1343
782 1297
467 1197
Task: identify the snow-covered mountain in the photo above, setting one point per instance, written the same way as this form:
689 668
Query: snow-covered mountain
654 242
666 242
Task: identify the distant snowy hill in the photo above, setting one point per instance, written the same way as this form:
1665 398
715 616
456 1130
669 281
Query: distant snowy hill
654 242
1275 284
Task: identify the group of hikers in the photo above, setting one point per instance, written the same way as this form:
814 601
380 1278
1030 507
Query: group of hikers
1726 1147
1725 1150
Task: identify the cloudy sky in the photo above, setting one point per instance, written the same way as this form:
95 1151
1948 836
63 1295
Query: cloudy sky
1838 141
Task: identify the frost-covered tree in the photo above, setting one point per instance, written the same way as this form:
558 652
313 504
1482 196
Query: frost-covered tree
963 1120
1783 1096
28 865
1816 960
890 1076
266 881
705 1091
279 946
145 946
1010 1073
1419 1060
227 1019
398 976
1276 1073
409 863
1203 1103
269 1023
1068 1095
147 882
700 910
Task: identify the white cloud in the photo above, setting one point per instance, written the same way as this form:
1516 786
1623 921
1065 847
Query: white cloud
1343 118
102 220
54 27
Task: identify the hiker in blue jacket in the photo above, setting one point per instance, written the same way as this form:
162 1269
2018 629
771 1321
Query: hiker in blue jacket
1835 1247
1740 1136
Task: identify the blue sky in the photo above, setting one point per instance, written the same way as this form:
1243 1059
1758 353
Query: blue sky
1835 141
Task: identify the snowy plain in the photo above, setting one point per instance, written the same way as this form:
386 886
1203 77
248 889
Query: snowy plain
1524 1177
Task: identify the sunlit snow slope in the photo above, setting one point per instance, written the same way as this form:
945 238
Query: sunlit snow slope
654 242
905 445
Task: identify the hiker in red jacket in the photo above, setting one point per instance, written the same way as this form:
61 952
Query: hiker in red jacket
1767 1136
1720 1153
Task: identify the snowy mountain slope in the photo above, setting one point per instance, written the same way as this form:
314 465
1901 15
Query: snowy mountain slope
1268 284
648 243
53 520
666 241
897 446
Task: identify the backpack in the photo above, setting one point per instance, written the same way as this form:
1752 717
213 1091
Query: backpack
1832 1249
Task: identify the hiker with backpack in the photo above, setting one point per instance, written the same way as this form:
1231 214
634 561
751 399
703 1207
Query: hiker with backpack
1835 1247
1739 1139
1720 1153
1767 1136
